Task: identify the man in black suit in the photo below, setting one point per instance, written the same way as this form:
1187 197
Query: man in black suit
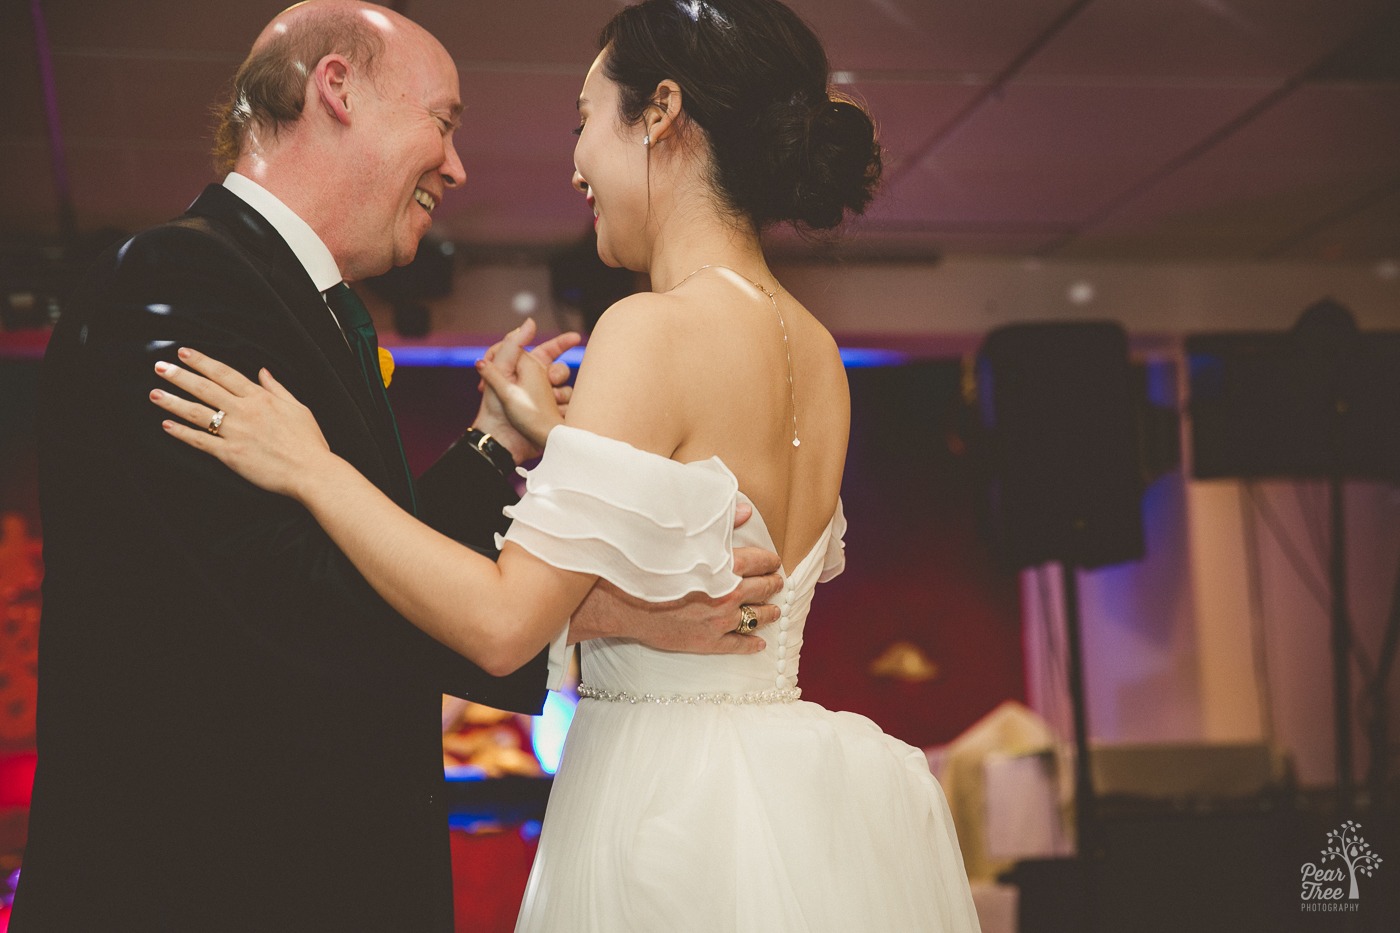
235 732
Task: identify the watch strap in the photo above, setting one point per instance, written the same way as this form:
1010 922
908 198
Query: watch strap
492 450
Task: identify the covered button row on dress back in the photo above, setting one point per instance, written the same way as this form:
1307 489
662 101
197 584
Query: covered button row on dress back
783 679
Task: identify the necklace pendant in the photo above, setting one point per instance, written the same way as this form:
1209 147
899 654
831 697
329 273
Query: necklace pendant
796 442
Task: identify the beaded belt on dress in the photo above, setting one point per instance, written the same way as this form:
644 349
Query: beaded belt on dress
785 695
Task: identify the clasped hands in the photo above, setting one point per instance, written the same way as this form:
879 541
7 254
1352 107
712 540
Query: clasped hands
524 394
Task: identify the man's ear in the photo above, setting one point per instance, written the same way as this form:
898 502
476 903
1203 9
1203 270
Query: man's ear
330 82
663 114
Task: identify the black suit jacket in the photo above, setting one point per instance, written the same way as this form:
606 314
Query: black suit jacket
234 731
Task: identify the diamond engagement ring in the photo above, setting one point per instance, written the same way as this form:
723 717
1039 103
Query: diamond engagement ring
215 423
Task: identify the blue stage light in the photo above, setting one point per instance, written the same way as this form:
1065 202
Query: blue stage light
853 357
549 728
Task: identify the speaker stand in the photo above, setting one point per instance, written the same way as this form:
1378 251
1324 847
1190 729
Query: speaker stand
1379 775
1086 827
1341 645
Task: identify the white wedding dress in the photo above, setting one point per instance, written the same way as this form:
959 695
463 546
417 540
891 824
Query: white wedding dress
696 792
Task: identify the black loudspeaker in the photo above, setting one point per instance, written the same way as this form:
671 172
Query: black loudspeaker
1234 866
1318 401
1062 457
407 288
579 279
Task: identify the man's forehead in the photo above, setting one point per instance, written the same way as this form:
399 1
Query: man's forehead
425 68
447 94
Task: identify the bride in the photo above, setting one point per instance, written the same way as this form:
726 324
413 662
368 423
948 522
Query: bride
696 792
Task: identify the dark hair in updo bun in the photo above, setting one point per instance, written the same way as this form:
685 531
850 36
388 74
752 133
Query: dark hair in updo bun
753 76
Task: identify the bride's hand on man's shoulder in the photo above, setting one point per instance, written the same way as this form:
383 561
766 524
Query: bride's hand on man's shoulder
257 429
525 394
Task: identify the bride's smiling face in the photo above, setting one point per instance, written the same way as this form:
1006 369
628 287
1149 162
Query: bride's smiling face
611 171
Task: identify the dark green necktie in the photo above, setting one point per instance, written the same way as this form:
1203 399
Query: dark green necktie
355 323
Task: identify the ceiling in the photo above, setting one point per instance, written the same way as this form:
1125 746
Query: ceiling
1144 130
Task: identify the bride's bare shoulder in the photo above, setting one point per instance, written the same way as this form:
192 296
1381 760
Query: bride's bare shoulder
633 375
647 308
645 324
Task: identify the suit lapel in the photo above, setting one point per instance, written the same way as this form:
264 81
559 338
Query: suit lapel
307 308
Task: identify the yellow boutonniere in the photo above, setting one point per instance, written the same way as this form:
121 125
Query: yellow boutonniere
386 366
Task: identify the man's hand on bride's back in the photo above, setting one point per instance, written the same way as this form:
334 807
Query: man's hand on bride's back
530 394
695 624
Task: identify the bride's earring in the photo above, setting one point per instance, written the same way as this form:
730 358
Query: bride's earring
646 140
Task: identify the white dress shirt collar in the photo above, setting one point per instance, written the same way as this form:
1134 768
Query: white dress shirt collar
313 254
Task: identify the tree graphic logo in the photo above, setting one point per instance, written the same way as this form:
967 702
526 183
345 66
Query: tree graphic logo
1323 883
1345 843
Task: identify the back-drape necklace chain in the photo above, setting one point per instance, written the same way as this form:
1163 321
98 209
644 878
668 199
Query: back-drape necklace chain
787 348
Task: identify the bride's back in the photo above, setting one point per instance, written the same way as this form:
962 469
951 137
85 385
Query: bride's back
703 371
740 406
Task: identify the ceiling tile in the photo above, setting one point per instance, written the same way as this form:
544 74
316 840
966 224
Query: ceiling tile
908 112
1088 130
1367 230
525 115
1316 151
171 28
139 99
949 37
1039 154
1198 40
521 32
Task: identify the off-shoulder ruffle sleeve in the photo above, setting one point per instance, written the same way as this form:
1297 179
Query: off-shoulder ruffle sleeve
835 560
656 528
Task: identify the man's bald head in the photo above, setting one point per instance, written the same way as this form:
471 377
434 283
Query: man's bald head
269 89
